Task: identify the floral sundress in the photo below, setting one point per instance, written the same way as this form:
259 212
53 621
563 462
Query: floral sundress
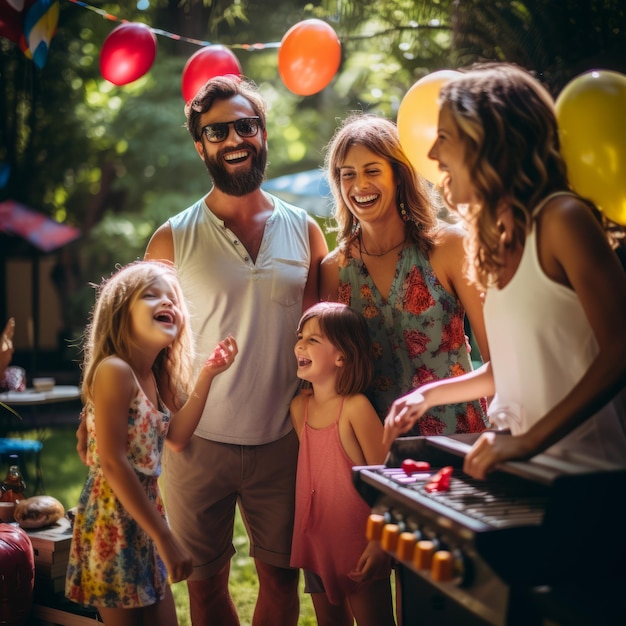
418 336
113 563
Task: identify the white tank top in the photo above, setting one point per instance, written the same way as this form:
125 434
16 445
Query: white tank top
259 303
541 344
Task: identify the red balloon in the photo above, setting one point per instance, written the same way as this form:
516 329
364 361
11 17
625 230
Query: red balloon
309 57
206 63
10 23
12 19
127 53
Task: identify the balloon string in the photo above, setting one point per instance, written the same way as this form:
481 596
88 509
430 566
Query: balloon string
251 47
101 12
164 33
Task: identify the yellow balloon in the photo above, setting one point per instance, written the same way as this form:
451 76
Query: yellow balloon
418 117
591 114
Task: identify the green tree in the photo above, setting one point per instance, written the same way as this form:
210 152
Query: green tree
556 40
117 161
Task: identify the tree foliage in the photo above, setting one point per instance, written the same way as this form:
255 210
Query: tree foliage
556 40
117 161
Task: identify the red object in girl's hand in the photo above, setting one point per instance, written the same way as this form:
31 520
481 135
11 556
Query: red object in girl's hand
412 467
441 480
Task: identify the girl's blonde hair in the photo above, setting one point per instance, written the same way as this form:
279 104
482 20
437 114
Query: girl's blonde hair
108 332
381 137
507 123
347 330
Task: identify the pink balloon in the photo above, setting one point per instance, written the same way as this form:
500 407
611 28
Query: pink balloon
127 53
206 63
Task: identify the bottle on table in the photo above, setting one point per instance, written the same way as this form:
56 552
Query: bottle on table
13 487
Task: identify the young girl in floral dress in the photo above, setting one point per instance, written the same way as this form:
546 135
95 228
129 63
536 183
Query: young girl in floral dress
137 357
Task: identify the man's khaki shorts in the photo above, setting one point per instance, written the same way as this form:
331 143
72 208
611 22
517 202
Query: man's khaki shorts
202 484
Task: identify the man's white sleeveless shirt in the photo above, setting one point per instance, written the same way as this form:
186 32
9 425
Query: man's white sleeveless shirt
260 304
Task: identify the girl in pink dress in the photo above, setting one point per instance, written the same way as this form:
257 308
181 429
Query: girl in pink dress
137 358
348 578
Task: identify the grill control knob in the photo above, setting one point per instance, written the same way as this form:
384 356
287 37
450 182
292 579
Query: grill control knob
442 566
374 527
389 539
406 546
423 555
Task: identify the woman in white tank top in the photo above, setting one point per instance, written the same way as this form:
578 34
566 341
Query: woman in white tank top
555 292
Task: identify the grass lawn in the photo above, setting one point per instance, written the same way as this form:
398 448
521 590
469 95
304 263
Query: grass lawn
63 477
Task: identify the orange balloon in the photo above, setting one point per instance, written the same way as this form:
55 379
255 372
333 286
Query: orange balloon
309 57
418 117
591 111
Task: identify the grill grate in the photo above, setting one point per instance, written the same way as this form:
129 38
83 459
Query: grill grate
498 507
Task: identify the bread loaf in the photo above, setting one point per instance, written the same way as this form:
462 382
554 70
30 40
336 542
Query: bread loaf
38 511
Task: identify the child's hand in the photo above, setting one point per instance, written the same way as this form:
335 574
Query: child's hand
177 561
222 356
374 564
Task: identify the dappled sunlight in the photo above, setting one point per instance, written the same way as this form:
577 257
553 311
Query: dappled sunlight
63 471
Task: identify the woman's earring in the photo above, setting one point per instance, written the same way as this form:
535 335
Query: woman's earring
403 212
504 240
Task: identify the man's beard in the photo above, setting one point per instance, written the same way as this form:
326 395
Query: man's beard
238 183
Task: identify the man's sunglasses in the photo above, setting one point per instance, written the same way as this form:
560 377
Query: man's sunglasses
244 127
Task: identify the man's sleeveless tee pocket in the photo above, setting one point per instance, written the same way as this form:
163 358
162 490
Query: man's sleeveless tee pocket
289 278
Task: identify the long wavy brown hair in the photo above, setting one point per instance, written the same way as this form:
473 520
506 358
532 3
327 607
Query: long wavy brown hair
381 137
507 123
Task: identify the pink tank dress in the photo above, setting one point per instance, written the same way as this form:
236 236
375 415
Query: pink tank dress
329 529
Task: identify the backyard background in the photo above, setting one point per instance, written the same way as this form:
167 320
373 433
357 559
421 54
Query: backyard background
63 475
114 161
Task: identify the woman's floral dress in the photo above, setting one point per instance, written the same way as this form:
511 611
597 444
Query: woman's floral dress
418 336
113 563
